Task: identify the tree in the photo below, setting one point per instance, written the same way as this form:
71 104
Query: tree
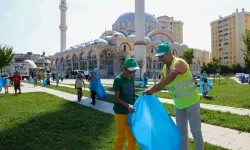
140 63
6 56
188 55
246 50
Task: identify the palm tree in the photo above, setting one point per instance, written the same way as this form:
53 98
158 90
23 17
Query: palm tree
246 50
6 56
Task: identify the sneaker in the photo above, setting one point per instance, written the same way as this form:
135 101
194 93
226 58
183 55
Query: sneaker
79 100
92 103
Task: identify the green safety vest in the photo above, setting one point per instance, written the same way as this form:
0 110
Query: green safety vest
182 88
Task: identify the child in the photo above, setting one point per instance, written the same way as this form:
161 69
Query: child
57 79
124 100
205 87
195 79
92 85
17 82
48 77
35 80
78 86
6 81
144 80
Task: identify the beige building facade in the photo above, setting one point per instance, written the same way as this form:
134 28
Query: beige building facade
225 37
173 26
201 56
107 53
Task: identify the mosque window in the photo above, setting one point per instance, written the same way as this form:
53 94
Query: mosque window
152 50
124 48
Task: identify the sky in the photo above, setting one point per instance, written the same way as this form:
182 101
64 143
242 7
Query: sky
33 25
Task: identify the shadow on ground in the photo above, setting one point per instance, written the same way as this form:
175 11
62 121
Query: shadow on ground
71 126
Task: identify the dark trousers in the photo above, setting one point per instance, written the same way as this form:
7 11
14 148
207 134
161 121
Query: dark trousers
86 77
79 93
93 94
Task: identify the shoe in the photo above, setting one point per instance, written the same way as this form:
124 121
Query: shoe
92 103
79 100
19 93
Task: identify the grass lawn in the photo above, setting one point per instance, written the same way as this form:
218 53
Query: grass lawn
44 121
223 119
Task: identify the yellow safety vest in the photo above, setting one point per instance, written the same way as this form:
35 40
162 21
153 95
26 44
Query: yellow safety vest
182 88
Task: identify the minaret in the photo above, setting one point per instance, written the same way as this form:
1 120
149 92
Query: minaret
63 27
140 45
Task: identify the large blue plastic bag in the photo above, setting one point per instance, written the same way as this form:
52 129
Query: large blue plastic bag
1 82
30 79
144 81
152 126
44 82
209 82
97 86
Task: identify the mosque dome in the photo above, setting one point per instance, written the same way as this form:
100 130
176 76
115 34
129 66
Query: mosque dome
100 42
107 37
131 16
183 45
169 43
81 46
89 43
157 41
118 35
176 44
132 37
147 39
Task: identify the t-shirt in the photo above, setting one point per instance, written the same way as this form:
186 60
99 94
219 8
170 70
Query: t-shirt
17 79
126 88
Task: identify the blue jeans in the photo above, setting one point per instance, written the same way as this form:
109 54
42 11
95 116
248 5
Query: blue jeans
191 114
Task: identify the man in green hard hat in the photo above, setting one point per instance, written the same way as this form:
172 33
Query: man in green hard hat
178 79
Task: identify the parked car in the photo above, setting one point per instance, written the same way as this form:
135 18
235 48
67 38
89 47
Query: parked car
237 75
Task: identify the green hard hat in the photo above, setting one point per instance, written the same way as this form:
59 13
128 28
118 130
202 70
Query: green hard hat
162 49
92 71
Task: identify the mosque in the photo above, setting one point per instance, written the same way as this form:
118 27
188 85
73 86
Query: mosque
107 53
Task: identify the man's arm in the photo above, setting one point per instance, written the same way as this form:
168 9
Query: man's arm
162 84
180 68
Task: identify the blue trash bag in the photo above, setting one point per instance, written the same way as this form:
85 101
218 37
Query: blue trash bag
30 79
1 83
152 126
209 82
97 86
144 81
5 81
44 82
243 79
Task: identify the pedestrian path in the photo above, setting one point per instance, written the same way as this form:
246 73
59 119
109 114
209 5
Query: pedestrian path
233 110
237 80
224 137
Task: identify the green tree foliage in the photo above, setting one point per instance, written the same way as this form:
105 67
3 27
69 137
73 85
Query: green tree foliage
6 56
188 55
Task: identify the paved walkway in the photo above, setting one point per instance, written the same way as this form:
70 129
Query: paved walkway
233 110
237 80
110 81
224 137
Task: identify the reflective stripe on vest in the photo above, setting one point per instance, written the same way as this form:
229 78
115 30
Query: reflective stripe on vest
184 93
179 86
